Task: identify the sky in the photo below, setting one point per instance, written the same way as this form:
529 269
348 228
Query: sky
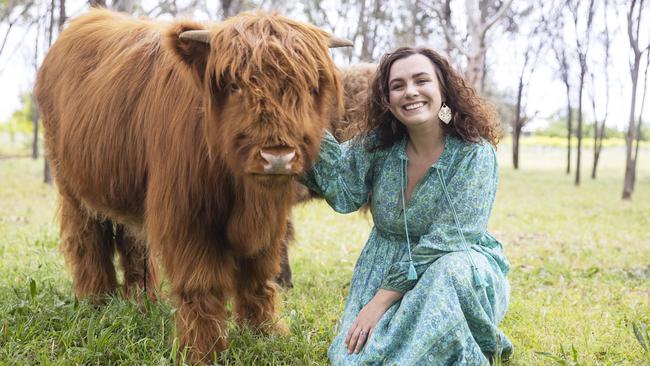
546 96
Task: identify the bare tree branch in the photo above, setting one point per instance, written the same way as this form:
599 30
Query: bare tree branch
495 18
4 40
448 28
20 44
12 22
478 24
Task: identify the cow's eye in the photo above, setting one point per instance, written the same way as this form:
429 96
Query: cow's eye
234 88
313 92
240 138
307 140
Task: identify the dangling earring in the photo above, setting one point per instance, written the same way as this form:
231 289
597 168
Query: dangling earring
445 113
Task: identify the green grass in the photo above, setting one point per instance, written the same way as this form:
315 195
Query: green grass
580 276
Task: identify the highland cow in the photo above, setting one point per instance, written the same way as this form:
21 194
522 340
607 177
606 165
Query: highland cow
189 137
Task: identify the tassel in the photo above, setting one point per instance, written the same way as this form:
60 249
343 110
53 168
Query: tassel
478 279
413 275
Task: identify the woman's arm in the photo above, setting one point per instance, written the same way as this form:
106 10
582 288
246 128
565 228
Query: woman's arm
342 173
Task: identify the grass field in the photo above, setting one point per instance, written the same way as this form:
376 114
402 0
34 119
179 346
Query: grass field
580 276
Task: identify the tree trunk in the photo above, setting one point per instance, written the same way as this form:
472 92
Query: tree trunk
363 30
517 125
515 148
569 123
630 164
35 123
599 135
446 23
633 132
579 129
47 175
225 8
582 46
34 107
635 159
124 6
62 15
369 35
50 31
475 67
598 142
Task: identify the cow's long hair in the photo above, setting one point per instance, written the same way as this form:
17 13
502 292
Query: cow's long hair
357 80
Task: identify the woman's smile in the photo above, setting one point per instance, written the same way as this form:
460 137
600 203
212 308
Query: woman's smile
413 106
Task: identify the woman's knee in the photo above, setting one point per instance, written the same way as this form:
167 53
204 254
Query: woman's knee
455 265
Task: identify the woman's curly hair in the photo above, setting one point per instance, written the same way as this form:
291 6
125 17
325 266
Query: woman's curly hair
473 118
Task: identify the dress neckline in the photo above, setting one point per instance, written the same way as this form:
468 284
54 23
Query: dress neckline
443 160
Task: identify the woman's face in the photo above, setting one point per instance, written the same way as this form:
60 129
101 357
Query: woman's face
413 91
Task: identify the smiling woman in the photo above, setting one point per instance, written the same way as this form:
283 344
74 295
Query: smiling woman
430 285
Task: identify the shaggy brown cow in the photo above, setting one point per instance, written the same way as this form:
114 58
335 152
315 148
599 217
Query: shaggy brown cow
190 141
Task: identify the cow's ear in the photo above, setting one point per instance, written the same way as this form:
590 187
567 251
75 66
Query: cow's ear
189 41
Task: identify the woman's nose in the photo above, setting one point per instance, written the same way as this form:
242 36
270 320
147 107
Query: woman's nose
411 90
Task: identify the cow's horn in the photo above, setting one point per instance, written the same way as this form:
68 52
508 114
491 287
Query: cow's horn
196 35
339 42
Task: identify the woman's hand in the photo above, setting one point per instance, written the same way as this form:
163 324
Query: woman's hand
363 326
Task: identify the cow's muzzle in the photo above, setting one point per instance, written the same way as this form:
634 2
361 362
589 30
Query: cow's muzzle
278 160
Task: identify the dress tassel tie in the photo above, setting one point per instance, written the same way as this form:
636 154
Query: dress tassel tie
478 279
413 275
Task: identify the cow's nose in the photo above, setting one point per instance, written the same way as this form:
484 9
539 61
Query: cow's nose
278 160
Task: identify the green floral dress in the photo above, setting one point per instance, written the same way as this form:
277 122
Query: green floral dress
459 292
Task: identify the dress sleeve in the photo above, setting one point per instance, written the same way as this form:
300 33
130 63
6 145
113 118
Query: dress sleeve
470 188
342 173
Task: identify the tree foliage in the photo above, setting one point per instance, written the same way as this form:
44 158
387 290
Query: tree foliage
21 119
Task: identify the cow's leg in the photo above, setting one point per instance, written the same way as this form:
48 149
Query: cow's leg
140 269
256 295
201 279
284 278
88 247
